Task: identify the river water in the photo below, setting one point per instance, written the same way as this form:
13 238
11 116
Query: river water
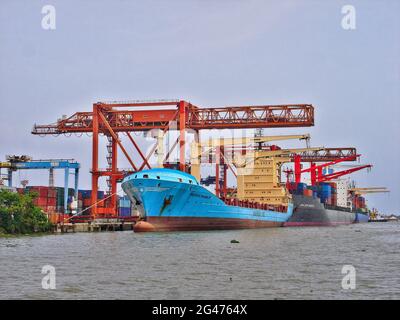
276 263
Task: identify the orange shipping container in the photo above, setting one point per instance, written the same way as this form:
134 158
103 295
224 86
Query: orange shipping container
307 192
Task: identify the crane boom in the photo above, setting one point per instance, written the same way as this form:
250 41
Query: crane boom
211 144
368 189
249 140
371 191
128 120
360 191
339 174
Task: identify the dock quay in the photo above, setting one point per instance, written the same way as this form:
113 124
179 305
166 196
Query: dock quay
98 225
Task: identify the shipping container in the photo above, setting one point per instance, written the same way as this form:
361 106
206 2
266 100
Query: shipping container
125 212
87 202
301 187
124 202
308 192
325 192
85 194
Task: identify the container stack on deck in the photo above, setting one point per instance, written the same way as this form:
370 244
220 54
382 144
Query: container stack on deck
325 191
359 202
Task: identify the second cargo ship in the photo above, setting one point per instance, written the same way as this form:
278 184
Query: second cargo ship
324 205
171 200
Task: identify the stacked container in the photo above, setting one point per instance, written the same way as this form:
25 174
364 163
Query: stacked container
334 193
46 198
85 199
124 207
360 202
51 200
326 193
301 187
60 199
308 192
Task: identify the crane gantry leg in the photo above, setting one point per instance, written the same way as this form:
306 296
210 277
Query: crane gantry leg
114 173
182 127
66 183
95 159
76 183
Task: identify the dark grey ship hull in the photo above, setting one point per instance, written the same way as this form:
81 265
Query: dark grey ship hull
309 211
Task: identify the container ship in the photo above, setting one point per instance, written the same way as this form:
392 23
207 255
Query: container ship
326 204
172 200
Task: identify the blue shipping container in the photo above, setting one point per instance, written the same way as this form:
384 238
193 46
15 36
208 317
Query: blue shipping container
325 192
86 194
124 202
125 212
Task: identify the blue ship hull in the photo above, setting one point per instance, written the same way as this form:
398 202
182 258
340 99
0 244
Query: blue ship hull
172 200
361 218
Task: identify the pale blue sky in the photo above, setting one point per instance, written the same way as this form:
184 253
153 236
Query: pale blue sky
211 53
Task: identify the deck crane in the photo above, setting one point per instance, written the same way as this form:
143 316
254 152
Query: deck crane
316 170
338 174
312 155
116 117
280 156
226 148
361 191
356 193
218 146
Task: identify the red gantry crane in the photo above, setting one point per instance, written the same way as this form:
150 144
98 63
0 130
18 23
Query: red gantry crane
113 118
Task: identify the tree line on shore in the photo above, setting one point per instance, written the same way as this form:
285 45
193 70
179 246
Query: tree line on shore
19 215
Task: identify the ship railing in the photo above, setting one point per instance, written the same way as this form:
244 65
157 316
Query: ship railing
253 205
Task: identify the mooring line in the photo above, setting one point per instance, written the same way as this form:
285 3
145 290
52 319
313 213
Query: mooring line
79 213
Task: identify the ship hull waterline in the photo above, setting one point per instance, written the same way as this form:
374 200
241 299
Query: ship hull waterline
168 224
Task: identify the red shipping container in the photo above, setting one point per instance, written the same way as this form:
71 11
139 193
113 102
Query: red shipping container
52 202
334 199
308 192
101 204
41 191
52 217
40 202
51 209
52 193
